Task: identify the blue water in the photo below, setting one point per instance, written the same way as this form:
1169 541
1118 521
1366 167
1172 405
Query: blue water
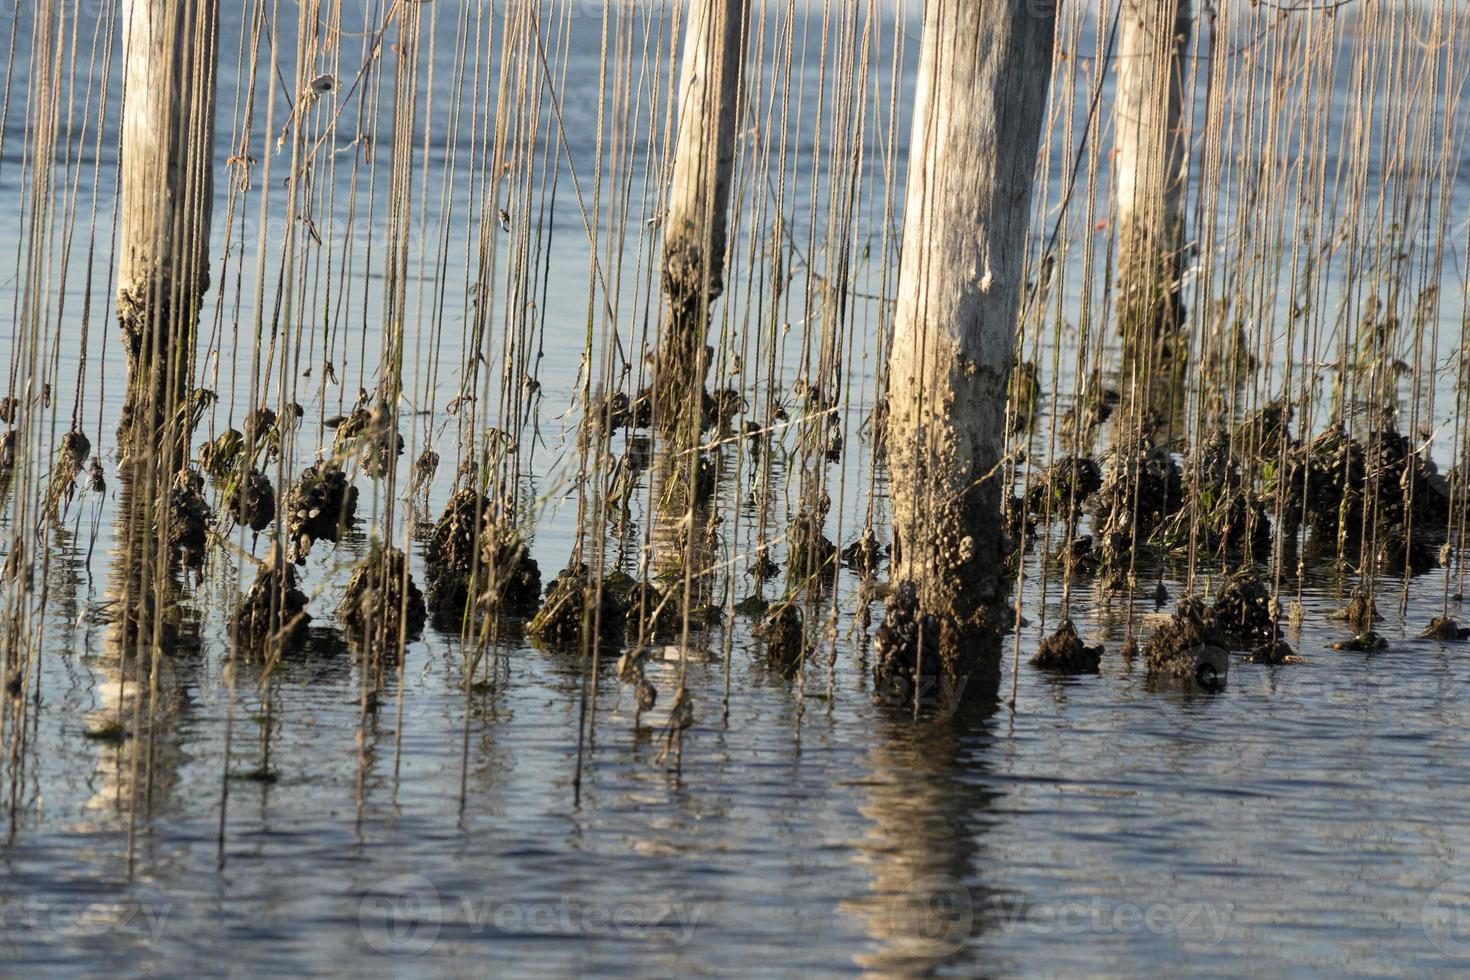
1308 819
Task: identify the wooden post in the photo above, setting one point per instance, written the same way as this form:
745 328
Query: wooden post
984 72
170 55
1150 166
699 198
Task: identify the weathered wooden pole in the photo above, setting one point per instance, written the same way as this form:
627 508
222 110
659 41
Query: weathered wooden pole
170 55
984 72
165 200
696 216
1150 166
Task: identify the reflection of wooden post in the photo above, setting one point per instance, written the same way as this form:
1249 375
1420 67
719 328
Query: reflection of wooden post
981 95
699 196
1150 164
927 825
170 51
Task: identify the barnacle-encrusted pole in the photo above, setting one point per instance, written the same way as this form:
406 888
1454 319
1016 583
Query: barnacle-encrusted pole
982 87
1150 166
170 52
696 217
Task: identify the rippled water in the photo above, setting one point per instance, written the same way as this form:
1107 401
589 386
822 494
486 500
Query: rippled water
1302 819
1306 819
